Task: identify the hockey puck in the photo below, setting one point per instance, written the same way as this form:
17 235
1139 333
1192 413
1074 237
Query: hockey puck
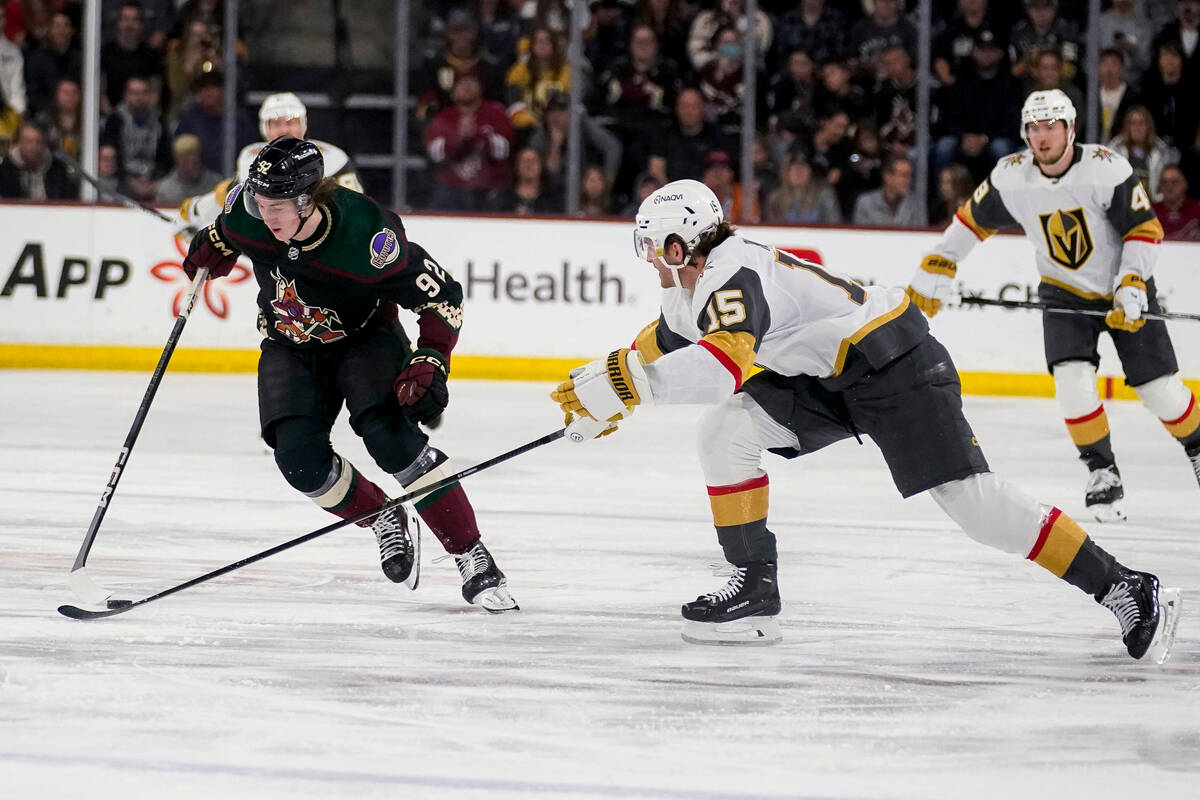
119 603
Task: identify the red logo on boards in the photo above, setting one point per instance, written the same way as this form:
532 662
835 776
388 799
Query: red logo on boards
213 292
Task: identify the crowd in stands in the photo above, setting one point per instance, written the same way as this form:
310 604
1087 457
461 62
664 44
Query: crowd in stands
662 88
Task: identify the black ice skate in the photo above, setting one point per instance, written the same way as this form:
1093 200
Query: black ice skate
1105 494
483 584
1148 614
741 612
1193 454
399 537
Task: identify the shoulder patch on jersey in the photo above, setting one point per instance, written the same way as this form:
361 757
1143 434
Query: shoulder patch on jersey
1104 154
1015 160
384 249
234 191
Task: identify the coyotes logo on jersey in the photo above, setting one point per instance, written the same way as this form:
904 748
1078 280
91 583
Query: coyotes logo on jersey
1068 240
300 322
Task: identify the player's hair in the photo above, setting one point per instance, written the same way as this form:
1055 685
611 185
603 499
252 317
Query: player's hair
323 191
709 241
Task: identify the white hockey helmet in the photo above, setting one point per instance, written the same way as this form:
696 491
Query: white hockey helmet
1050 104
684 208
283 105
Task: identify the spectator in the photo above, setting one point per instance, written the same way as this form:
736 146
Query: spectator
827 150
531 82
838 91
63 120
128 54
814 28
766 171
1126 28
893 205
978 134
1184 32
702 39
639 90
895 101
10 121
136 129
872 36
532 192
1170 97
31 172
158 18
499 30
955 185
682 151
671 21
803 198
205 118
1049 72
469 143
864 168
1178 213
606 36
462 55
644 185
1145 151
595 199
12 72
722 81
189 177
108 171
48 62
1116 96
791 97
550 139
1189 162
187 58
1040 31
719 176
955 43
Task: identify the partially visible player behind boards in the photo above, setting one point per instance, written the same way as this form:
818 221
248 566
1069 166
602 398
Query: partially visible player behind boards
1096 240
280 114
332 266
839 360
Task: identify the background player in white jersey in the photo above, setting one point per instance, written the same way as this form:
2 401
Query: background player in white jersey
280 114
838 360
1096 240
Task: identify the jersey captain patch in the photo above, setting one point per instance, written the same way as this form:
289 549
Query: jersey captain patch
1068 240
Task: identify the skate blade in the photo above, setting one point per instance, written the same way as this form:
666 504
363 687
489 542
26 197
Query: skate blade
495 600
1170 605
414 577
1108 512
745 632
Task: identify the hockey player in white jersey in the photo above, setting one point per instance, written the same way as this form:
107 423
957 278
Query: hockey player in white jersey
280 114
1096 240
838 360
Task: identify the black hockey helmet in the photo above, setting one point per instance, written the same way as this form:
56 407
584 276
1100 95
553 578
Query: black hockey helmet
286 168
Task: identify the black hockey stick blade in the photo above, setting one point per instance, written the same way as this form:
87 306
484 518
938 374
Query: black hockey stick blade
1089 312
120 607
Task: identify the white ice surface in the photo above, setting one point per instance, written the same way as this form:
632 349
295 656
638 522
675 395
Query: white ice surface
915 662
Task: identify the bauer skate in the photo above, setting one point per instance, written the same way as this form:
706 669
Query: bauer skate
742 612
1148 614
399 535
1105 494
483 584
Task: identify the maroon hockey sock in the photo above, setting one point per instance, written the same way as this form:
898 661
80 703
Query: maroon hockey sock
350 495
449 515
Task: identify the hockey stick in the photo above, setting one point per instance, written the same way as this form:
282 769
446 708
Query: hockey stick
119 607
114 194
987 301
80 582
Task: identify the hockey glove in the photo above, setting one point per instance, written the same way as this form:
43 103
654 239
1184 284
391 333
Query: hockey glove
421 385
1129 301
209 249
933 284
606 388
581 429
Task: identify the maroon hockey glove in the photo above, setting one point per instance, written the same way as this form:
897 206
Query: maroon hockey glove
421 386
209 249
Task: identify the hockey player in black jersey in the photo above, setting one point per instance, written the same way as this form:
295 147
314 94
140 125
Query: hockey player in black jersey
333 267
838 360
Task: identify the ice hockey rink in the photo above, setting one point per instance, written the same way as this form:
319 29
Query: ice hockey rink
915 662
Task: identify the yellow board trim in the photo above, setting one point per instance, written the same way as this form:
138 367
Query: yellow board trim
510 368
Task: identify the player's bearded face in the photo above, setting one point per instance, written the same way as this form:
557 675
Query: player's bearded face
1048 138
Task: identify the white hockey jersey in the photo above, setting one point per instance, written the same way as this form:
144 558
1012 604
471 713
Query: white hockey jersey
1088 226
755 304
202 209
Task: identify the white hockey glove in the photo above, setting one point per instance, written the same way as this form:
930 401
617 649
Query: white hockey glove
933 284
1129 301
605 390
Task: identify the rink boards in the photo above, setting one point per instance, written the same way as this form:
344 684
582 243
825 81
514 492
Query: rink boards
97 287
